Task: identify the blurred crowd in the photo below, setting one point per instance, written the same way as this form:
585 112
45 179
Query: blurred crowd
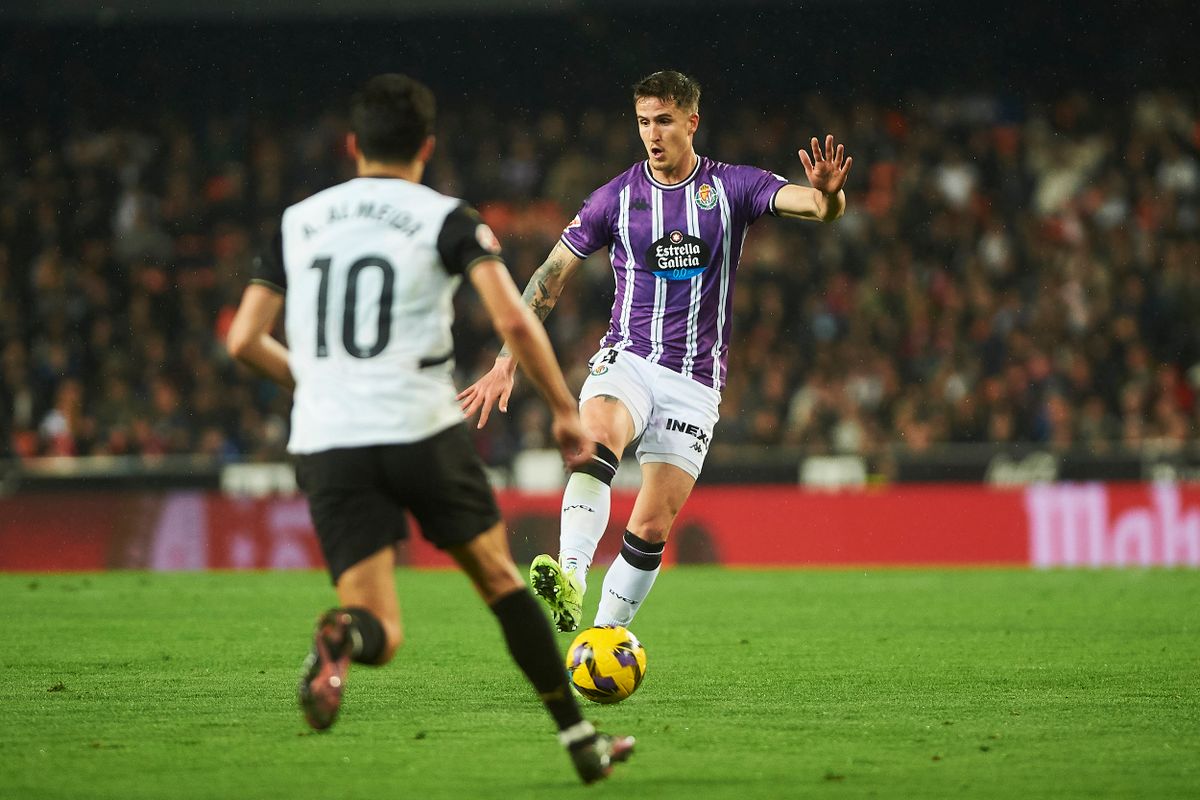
1006 272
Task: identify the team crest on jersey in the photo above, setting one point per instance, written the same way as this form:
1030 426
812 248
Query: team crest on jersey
706 197
678 256
575 223
487 240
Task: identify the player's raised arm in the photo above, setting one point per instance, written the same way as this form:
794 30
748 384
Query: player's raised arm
827 171
524 334
541 295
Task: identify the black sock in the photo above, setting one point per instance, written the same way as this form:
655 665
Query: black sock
532 645
366 631
641 554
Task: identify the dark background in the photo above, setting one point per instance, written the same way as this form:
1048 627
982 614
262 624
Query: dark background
59 60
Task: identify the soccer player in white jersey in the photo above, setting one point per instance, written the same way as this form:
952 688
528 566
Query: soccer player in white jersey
368 269
673 226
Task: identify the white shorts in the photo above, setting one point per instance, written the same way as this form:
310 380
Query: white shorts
673 415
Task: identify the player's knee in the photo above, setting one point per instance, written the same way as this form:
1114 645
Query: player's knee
654 530
602 466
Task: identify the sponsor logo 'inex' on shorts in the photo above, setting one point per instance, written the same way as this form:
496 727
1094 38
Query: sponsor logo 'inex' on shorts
689 429
678 256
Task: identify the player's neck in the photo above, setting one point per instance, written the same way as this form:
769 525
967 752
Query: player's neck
680 173
411 171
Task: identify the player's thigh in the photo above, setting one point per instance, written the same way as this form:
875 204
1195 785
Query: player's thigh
443 482
487 561
665 488
616 399
354 518
681 425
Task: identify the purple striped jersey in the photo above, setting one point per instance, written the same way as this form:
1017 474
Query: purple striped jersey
674 252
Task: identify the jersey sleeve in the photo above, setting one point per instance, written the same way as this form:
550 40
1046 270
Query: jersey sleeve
268 268
759 188
591 230
465 240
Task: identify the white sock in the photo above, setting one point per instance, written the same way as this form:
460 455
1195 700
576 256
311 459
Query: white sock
628 581
585 508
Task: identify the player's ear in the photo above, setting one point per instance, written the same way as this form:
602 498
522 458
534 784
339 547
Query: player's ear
693 122
427 148
352 145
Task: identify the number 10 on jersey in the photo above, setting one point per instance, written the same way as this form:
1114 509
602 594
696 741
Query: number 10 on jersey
350 306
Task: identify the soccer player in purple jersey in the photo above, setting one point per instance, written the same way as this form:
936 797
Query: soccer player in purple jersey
673 225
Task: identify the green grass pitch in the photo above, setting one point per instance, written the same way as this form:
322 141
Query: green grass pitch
771 684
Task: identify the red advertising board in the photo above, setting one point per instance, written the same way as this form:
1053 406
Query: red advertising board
1042 525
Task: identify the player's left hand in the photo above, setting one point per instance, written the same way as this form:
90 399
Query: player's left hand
576 447
826 170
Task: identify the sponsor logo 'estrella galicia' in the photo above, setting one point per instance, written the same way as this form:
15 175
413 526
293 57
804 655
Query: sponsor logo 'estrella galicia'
678 256
706 197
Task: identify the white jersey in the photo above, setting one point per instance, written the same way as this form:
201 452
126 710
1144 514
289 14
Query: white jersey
369 268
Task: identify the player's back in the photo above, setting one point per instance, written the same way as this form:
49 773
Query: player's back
368 315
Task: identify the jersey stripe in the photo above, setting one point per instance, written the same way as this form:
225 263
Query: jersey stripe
660 284
693 223
726 243
627 300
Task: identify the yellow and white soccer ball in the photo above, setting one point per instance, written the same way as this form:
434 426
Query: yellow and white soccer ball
606 664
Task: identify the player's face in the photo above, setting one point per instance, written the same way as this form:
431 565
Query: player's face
666 132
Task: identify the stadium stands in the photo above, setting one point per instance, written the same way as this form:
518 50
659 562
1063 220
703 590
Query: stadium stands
1009 271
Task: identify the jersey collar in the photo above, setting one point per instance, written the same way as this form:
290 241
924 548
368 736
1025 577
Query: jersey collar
667 187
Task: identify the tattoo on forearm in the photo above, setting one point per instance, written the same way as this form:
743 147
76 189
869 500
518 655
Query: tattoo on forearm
538 294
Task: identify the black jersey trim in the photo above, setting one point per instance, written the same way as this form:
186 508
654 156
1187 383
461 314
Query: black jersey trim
268 284
480 259
670 187
571 247
433 361
458 242
774 212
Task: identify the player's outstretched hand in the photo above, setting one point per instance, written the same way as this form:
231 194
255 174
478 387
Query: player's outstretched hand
577 448
494 388
826 170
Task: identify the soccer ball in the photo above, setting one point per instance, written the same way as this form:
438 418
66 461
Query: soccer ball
606 664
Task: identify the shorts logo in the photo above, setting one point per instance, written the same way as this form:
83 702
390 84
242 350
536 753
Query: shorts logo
678 256
600 363
706 197
701 437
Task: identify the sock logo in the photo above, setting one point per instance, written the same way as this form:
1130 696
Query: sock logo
580 506
622 598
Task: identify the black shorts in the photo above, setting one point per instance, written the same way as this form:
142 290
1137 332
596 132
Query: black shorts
358 495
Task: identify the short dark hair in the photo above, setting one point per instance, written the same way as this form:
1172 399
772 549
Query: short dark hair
391 116
670 86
